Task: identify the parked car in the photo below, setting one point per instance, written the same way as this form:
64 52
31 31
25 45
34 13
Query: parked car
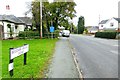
66 33
60 33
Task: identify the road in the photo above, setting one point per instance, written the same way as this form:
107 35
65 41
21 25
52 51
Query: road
98 58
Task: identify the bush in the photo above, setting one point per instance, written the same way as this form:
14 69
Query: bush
75 31
108 35
29 35
56 33
49 35
35 35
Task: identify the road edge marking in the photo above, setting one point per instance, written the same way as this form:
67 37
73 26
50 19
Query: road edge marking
76 61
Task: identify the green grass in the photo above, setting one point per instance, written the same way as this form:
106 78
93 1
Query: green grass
0 59
38 57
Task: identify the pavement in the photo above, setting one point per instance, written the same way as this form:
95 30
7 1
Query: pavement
63 65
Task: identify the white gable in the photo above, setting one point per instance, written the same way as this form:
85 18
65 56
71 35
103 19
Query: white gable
111 24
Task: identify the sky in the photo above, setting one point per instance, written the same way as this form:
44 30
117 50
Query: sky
92 10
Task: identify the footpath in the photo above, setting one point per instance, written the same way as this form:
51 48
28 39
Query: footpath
63 65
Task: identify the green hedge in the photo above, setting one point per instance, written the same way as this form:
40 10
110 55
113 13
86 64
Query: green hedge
108 35
35 35
29 35
50 35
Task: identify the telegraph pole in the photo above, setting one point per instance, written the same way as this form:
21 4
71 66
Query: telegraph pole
41 19
99 18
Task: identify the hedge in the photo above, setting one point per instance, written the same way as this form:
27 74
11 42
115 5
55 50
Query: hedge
35 35
28 35
108 35
50 35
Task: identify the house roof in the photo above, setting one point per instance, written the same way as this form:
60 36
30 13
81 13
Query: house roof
26 20
103 21
118 19
93 28
11 18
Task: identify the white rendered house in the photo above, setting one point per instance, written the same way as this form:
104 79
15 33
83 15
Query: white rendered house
17 25
110 24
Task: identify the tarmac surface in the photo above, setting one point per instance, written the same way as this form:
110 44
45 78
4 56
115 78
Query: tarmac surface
63 65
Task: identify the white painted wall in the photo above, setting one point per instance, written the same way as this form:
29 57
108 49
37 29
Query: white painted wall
108 24
20 28
7 30
92 31
100 26
1 23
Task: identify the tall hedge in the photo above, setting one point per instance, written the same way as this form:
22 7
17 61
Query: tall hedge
108 35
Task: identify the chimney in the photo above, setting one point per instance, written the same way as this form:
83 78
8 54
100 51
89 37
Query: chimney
7 7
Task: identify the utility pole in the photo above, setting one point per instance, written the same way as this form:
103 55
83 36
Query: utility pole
41 19
99 22
99 18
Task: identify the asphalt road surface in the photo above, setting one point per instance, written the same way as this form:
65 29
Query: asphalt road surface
98 58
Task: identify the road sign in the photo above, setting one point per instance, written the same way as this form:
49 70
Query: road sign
52 29
15 52
18 51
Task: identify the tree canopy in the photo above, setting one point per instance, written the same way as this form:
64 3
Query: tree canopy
56 14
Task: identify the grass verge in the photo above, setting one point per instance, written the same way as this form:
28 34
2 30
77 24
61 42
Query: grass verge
0 59
40 52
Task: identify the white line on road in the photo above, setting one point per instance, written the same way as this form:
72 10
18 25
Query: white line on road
115 52
115 45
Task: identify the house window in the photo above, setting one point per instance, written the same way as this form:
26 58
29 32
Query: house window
101 25
16 27
111 24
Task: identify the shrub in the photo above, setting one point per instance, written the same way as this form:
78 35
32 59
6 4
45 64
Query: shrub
35 35
29 35
56 33
49 35
108 35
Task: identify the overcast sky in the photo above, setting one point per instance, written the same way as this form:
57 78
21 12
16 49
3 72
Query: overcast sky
90 9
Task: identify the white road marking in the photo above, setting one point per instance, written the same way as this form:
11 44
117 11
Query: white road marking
115 45
115 52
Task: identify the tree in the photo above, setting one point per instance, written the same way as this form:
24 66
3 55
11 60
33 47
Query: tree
81 25
56 14
36 15
61 13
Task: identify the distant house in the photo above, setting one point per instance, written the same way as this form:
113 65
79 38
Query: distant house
92 29
17 25
110 24
27 21
102 25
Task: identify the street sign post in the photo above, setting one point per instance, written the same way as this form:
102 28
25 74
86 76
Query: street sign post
15 52
52 30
